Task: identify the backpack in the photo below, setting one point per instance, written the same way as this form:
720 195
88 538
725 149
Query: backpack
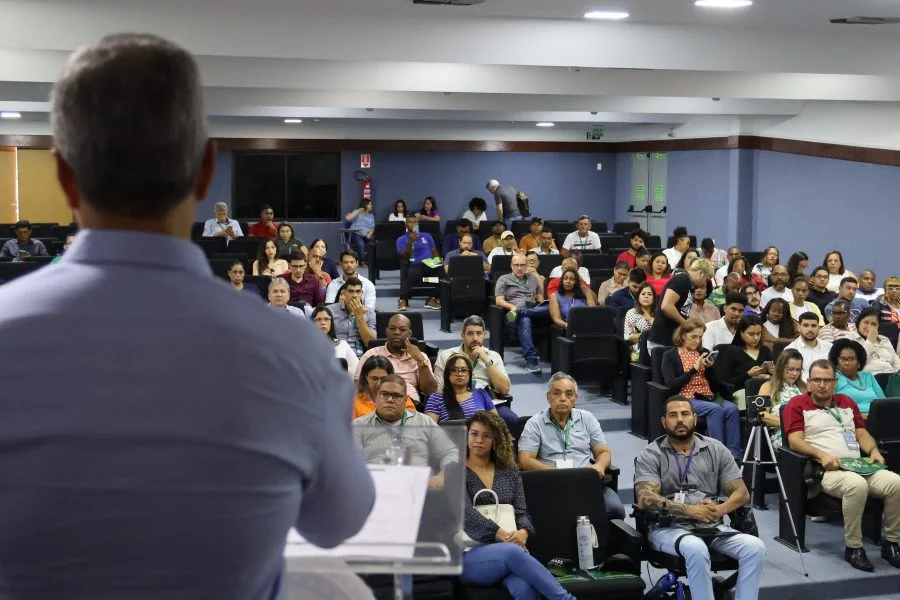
522 204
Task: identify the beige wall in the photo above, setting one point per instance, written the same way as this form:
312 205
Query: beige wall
41 199
7 185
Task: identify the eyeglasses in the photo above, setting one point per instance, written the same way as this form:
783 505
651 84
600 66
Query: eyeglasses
821 380
389 396
484 435
293 266
459 371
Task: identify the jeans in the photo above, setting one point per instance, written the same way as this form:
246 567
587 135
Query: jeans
519 572
614 507
411 274
722 423
748 550
523 332
508 416
358 245
508 222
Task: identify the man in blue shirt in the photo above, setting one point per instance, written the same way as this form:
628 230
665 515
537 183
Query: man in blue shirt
170 451
451 240
414 247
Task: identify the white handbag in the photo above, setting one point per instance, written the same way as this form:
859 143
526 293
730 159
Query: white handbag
504 515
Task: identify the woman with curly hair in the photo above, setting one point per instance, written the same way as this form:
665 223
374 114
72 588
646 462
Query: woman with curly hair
778 326
501 556
849 360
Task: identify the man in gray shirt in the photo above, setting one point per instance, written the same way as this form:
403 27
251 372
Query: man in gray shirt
686 473
507 205
517 292
23 246
139 465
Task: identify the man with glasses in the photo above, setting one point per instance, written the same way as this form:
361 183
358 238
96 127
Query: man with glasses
818 294
829 427
517 292
754 298
565 437
840 326
304 283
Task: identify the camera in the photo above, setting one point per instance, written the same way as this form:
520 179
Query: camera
756 405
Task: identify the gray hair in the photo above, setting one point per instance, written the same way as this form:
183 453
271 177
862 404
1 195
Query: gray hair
473 321
221 206
558 376
276 281
128 119
492 183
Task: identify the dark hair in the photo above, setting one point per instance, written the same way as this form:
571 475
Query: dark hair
676 398
842 344
289 226
478 203
747 321
752 284
354 281
266 207
498 222
577 291
680 232
684 254
298 255
128 119
235 262
622 265
638 233
637 276
822 363
372 363
399 201
840 256
867 312
261 257
793 264
434 206
820 268
654 257
577 256
740 257
808 316
325 309
787 328
840 302
707 244
800 279
735 298
766 251
23 224
316 241
637 305
642 252
454 410
348 252
848 280
364 202
464 223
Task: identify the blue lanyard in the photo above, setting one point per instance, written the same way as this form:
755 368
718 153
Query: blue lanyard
683 474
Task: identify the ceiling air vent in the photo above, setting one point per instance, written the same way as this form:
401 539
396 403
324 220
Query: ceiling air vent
448 2
867 21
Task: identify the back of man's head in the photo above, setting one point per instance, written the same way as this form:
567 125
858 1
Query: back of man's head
735 298
637 276
128 120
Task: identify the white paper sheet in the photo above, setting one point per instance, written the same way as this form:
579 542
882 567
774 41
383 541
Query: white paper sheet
393 525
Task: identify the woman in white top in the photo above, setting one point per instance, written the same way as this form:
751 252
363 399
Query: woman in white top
800 304
834 262
477 212
323 318
770 258
267 263
400 211
881 356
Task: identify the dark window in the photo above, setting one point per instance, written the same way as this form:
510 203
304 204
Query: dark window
299 186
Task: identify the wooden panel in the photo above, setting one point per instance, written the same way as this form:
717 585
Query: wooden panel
675 145
314 145
7 185
41 199
26 141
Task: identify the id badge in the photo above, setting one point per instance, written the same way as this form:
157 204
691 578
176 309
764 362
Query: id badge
679 498
567 463
850 438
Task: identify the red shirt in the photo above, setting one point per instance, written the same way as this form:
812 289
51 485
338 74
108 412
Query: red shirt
553 286
307 290
262 230
658 284
626 256
819 426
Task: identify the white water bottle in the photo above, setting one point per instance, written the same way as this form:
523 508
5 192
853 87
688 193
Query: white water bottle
584 532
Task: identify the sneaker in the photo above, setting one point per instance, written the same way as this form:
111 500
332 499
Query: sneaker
533 367
401 305
433 304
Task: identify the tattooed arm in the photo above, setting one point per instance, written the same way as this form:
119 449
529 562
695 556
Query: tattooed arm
737 493
649 498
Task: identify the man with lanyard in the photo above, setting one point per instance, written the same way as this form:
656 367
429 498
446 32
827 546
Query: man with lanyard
684 473
517 292
222 226
830 428
627 296
565 437
353 321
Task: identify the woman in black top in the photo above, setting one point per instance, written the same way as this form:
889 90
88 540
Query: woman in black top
745 358
502 556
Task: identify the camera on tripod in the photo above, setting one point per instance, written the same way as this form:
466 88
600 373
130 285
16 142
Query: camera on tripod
756 405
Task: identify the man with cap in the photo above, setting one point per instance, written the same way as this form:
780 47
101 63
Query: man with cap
532 239
507 246
23 246
718 258
493 240
507 206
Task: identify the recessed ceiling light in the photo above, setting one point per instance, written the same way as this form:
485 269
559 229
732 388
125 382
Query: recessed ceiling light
607 15
545 124
723 3
293 121
10 115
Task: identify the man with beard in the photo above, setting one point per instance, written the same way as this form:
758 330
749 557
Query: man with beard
810 347
408 361
818 292
466 247
779 288
686 473
637 239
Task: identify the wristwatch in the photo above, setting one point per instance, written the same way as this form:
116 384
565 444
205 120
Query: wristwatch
424 363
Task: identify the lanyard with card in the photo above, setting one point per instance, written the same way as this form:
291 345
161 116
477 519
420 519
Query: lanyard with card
680 496
563 435
849 436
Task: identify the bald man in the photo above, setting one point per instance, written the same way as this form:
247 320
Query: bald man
408 361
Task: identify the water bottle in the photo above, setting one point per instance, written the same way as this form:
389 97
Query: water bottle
584 533
662 586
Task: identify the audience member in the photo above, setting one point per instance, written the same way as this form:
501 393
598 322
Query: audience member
615 283
828 426
532 239
637 239
686 371
466 248
681 241
642 260
705 470
451 241
689 256
23 246
786 382
507 205
818 292
889 304
746 358
267 261
394 434
660 274
287 243
500 556
834 263
477 212
372 372
676 302
532 267
796 266
721 272
569 295
221 225
739 265
70 239
319 261
507 246
770 258
754 299
280 294
493 241
488 371
429 210
350 270
840 326
881 354
236 275
354 322
731 284
322 317
779 278
627 297
304 284
400 211
703 311
722 331
716 257
847 292
800 304
266 226
809 345
409 362
640 318
867 290
458 398
547 246
415 247
565 437
362 227
517 292
778 326
582 238
571 262
849 360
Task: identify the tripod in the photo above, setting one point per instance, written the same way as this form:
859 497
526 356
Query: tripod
757 434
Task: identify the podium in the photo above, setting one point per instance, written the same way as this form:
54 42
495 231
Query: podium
419 475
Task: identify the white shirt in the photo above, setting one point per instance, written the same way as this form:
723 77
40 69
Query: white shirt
343 350
212 227
771 293
673 256
582 272
876 293
810 355
304 313
717 333
500 251
721 274
537 250
574 241
473 219
393 217
368 291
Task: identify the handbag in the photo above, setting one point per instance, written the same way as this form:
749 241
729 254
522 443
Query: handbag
503 515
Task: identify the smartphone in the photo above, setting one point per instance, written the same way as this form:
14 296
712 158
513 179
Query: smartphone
768 364
712 355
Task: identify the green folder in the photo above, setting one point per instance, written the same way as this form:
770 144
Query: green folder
863 466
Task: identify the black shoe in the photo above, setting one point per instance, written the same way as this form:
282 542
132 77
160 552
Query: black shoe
890 551
858 559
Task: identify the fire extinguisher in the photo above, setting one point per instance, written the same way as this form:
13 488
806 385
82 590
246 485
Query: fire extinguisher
365 184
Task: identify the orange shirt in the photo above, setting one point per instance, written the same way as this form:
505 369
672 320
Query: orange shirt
530 241
363 404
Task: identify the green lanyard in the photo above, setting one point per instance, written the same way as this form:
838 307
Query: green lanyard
560 433
837 415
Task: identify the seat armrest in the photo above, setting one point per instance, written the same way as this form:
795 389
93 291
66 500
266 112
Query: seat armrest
565 354
613 473
792 463
495 318
625 539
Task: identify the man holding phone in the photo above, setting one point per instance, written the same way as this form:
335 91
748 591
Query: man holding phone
23 246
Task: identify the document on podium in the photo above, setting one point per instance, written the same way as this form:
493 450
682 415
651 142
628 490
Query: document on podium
393 525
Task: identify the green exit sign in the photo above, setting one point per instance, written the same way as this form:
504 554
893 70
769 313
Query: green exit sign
594 134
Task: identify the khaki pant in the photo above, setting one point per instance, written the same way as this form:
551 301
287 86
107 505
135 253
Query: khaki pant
853 489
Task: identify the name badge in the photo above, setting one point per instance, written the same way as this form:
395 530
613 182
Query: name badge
565 464
679 498
850 438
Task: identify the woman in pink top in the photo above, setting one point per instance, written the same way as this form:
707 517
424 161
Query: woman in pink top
660 273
